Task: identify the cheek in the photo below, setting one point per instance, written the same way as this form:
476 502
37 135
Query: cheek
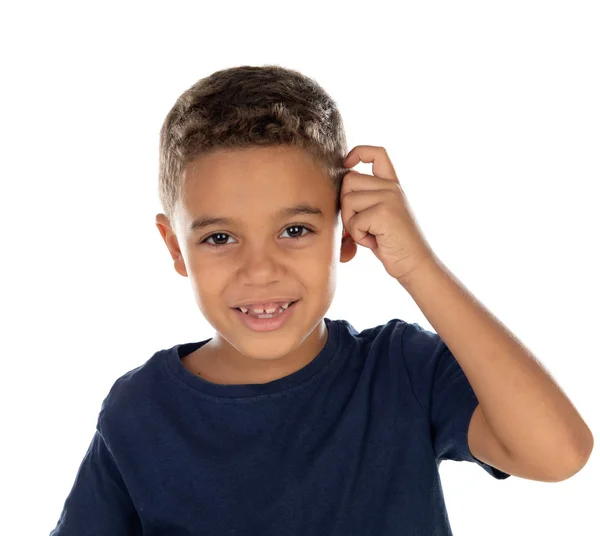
207 278
319 270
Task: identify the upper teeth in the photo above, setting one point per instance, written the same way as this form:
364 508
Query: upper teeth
260 310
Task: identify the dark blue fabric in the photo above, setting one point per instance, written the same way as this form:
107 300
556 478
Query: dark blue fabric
348 445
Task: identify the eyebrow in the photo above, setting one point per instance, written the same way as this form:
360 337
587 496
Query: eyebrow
300 209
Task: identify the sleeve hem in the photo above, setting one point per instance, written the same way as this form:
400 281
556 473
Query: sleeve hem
463 422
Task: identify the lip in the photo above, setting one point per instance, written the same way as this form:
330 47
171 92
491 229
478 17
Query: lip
269 300
266 324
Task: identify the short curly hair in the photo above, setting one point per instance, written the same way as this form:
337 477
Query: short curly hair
249 106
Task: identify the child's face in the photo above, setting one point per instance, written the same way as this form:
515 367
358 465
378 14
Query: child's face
261 255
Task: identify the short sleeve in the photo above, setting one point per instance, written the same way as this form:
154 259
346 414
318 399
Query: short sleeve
98 504
445 394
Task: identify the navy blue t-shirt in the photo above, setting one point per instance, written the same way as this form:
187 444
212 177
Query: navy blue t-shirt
348 445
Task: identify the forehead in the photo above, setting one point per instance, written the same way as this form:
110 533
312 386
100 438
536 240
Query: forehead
257 178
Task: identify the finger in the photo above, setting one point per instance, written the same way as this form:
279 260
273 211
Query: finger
382 165
362 227
354 202
354 181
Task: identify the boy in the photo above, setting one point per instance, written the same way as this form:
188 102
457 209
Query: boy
287 422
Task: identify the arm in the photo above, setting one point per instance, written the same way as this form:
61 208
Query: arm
524 424
98 504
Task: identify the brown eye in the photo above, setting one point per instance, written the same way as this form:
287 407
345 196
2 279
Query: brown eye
217 237
295 231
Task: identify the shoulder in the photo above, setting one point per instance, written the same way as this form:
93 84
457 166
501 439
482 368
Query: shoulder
130 389
392 328
400 337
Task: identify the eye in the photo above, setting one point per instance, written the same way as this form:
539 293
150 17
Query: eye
221 235
295 227
215 235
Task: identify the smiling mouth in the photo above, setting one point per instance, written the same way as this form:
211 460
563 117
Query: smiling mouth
264 314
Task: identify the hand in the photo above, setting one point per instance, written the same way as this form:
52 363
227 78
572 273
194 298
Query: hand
376 214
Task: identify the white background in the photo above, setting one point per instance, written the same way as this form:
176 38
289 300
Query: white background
489 111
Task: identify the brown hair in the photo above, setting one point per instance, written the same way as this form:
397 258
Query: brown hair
249 106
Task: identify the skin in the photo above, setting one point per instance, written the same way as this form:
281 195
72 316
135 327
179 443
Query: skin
260 258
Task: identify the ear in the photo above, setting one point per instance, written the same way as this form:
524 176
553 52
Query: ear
348 249
168 235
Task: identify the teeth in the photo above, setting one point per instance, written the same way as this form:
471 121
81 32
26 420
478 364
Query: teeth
266 313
